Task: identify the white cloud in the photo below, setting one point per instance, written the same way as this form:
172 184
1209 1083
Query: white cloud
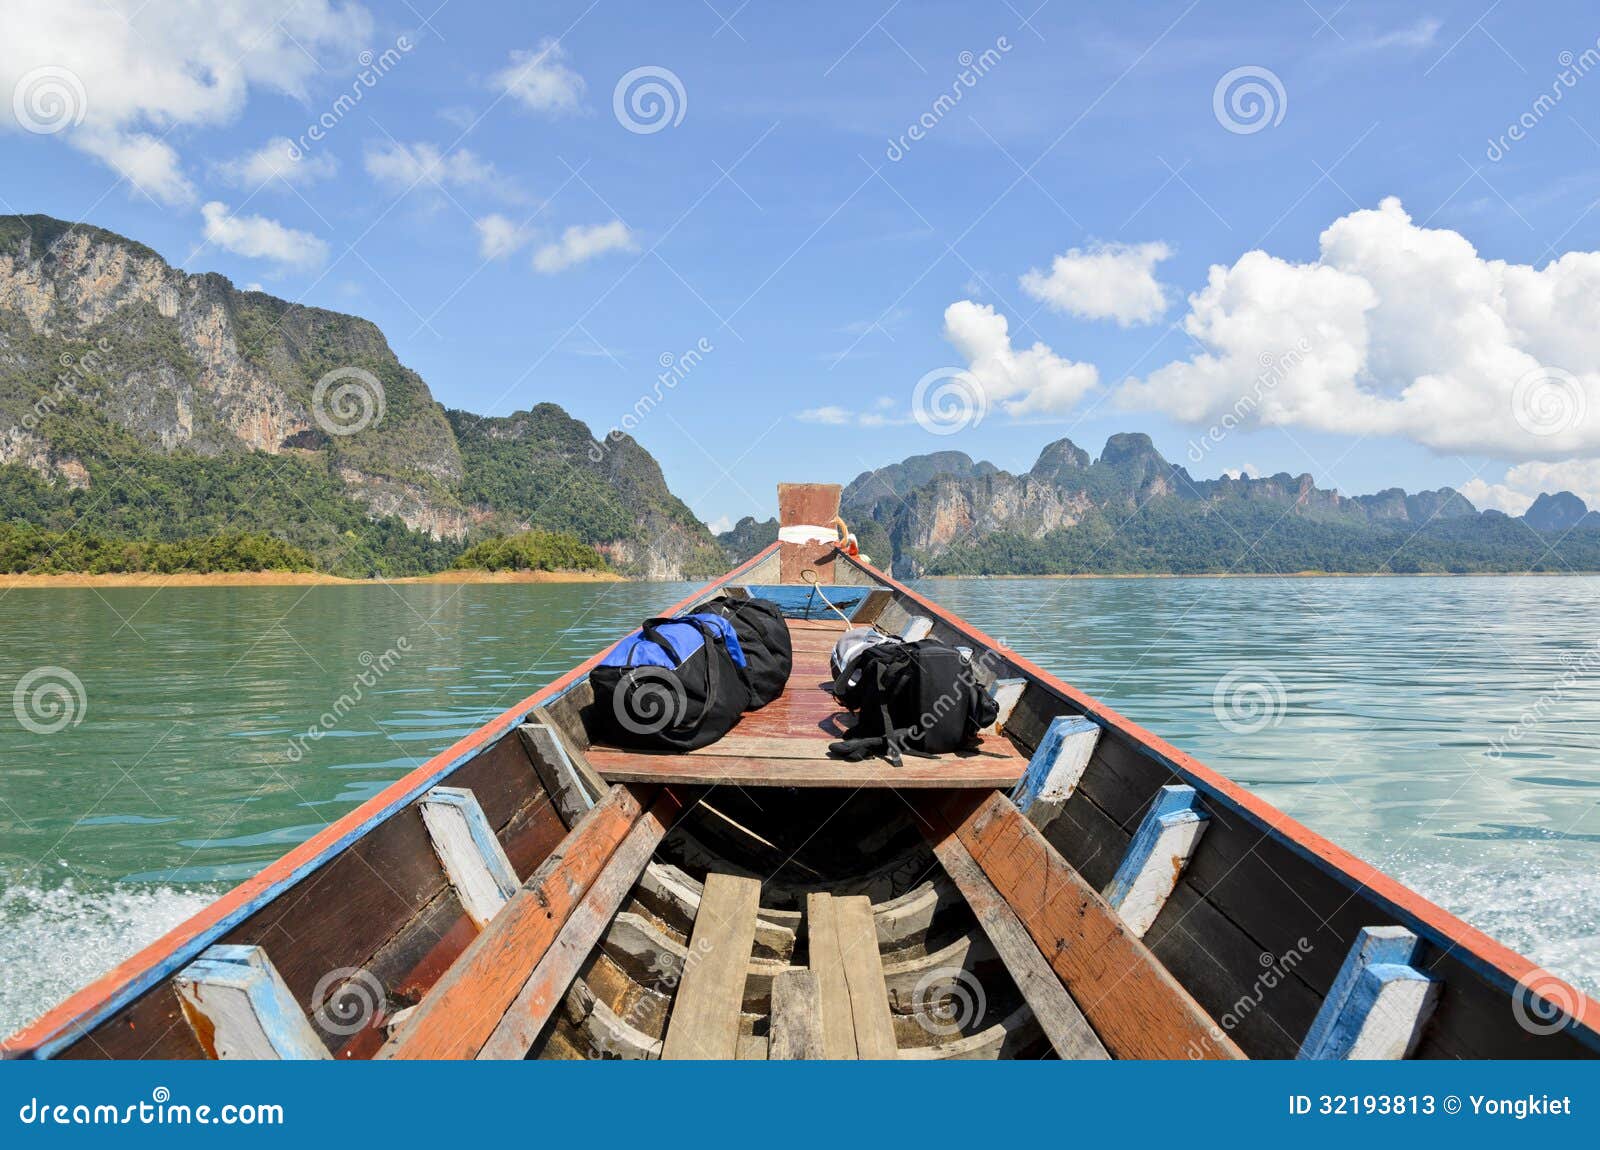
1523 483
1104 281
721 525
1396 330
877 416
399 166
499 236
1498 496
1411 37
1026 382
274 160
831 415
540 81
580 243
260 238
123 73
1243 471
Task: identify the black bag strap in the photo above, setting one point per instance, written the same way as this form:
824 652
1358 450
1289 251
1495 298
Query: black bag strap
708 635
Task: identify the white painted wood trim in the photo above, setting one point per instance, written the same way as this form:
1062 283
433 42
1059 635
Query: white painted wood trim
472 857
917 627
1156 857
1007 694
807 533
1378 1004
240 1008
1056 768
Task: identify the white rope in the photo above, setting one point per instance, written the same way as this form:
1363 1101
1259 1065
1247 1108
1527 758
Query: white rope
811 578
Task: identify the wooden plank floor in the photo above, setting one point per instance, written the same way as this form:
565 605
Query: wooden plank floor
786 742
705 1013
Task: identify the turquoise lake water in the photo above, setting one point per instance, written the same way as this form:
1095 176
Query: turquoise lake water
1447 730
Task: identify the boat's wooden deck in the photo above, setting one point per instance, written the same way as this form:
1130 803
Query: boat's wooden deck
786 742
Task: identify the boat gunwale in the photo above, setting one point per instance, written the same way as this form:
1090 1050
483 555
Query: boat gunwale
1503 967
77 1015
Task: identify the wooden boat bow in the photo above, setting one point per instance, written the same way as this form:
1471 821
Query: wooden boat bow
1076 888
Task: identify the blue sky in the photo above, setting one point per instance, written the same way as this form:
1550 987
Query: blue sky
488 206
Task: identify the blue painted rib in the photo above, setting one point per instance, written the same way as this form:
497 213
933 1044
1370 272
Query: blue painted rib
1386 949
180 956
1172 805
1061 728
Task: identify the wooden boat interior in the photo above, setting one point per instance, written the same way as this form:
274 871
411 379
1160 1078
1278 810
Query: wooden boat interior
1073 888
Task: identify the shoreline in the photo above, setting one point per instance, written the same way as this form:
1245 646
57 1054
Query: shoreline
1289 575
155 581
292 579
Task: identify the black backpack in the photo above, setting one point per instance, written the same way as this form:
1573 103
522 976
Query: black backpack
764 637
674 685
919 698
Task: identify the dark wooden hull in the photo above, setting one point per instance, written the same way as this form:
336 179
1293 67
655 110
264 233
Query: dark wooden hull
380 949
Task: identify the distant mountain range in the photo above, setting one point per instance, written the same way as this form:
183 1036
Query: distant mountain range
141 402
1131 511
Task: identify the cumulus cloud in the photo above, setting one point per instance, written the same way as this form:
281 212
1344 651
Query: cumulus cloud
1523 483
257 237
1243 471
114 76
1396 329
274 161
540 81
1028 381
399 166
499 236
581 243
1104 281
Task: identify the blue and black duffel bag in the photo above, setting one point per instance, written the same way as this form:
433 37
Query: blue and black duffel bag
674 685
